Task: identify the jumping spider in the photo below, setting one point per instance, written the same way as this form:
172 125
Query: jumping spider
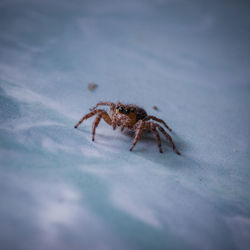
128 116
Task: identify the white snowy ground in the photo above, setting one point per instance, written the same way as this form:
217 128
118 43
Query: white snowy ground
59 190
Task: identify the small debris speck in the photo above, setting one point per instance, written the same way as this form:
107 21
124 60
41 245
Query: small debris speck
155 107
92 86
235 150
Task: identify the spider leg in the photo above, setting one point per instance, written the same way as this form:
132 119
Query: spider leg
168 138
158 120
95 124
94 112
87 117
138 134
114 122
125 124
157 138
102 115
111 104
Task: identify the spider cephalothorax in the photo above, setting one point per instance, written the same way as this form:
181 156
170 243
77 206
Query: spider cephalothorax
128 116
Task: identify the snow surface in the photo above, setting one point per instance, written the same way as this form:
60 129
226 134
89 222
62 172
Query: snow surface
60 190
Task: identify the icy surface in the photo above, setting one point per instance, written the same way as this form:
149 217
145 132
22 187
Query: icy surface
60 190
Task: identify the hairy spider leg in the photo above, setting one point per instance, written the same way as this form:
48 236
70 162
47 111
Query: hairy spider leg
157 138
138 134
112 111
152 125
114 122
158 120
125 124
95 124
102 115
87 116
111 104
92 113
168 138
144 125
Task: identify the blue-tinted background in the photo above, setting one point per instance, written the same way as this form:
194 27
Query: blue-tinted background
59 190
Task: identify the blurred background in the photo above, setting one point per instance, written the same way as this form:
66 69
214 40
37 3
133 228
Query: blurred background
60 190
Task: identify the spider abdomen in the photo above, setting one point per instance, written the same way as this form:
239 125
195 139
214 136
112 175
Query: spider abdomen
140 113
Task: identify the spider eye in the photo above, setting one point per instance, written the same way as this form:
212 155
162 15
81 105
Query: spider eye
127 111
121 109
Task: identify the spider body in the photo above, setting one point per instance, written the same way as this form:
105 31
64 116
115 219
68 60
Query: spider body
129 116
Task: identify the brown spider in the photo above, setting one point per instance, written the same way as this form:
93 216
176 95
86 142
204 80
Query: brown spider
130 116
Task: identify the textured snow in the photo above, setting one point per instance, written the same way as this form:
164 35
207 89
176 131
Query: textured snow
60 190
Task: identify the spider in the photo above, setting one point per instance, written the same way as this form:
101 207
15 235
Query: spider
129 116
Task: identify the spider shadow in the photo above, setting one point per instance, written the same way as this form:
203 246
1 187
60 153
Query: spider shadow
148 149
106 138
